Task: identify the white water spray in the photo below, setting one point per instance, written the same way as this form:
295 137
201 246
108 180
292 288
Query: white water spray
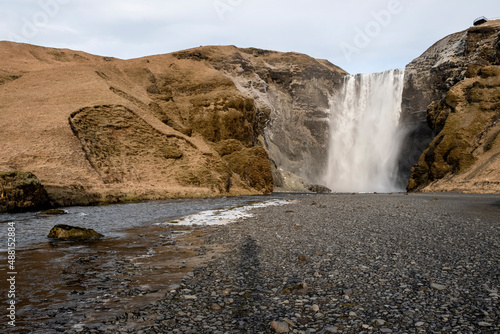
364 136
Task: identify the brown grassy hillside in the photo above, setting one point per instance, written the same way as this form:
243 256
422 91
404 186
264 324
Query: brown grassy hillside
96 128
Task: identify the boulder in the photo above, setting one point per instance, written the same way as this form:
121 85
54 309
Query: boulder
21 191
66 232
319 189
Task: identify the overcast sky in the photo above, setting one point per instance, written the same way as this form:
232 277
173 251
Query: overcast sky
361 36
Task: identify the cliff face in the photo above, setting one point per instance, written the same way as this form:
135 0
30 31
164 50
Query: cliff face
201 122
291 93
451 108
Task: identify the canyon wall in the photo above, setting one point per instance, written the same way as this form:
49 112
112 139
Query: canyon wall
221 120
451 108
209 121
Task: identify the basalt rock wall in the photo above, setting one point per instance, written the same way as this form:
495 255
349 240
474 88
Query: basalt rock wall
451 110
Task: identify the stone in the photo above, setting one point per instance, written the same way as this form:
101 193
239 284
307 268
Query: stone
190 297
438 287
484 324
315 308
303 258
280 327
53 212
319 189
289 322
66 232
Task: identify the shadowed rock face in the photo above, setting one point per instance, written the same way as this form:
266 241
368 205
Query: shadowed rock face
450 108
21 192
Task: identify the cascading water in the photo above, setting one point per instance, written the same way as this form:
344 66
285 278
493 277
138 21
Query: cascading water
364 136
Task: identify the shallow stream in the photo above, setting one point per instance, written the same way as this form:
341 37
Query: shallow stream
62 284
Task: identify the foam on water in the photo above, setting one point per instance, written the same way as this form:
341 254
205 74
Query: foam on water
224 216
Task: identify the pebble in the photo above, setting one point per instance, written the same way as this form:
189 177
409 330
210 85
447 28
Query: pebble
484 324
438 287
371 263
189 297
280 327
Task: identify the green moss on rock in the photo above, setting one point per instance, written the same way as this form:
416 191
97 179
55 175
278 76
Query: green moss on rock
252 164
463 121
21 191
67 232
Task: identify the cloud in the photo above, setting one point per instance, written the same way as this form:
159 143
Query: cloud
132 28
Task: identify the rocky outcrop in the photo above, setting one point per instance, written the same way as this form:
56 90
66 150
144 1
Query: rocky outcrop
319 189
209 121
20 191
292 93
66 232
465 154
451 109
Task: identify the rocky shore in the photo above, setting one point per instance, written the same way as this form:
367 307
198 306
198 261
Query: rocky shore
365 263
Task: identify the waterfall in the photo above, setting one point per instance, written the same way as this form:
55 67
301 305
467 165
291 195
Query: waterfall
364 136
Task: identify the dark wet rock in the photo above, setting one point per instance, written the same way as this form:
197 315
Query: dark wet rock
66 232
319 189
21 191
53 212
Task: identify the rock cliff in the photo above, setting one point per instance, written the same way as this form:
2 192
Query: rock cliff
207 121
451 107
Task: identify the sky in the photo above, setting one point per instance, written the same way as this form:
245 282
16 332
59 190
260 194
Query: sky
361 36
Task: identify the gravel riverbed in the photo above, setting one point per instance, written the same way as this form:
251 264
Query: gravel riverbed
340 263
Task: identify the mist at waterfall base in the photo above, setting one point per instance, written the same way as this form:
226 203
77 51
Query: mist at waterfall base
365 138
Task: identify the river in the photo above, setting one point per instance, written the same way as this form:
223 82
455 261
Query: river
60 284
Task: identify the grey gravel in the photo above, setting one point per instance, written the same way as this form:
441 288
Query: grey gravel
341 263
